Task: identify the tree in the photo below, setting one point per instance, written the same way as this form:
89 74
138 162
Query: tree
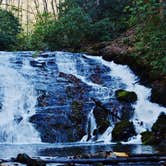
9 28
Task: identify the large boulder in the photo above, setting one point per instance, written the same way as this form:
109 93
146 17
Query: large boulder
148 138
157 135
123 130
102 119
113 51
126 96
25 159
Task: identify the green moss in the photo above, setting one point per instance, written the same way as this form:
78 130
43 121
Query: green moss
126 96
157 135
148 138
123 131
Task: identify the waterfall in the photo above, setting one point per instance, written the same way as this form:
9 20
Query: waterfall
145 112
18 104
43 90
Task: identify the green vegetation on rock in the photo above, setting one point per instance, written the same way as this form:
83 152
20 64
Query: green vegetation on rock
123 130
157 135
126 96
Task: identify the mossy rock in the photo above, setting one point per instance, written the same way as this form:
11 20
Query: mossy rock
126 96
160 124
123 131
157 135
159 128
148 138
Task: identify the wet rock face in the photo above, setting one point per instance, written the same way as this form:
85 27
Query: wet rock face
78 119
126 96
123 130
102 119
52 127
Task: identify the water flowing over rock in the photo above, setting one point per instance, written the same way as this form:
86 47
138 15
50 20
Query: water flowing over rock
49 98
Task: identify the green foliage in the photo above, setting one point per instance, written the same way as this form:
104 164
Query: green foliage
41 29
151 37
70 30
100 30
79 23
150 43
9 29
143 11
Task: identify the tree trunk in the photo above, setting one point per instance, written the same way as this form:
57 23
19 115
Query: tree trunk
36 2
161 10
1 2
45 6
53 8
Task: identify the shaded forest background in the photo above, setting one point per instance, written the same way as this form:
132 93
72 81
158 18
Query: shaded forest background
73 25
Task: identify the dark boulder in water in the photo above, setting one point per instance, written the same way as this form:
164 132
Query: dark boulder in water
126 96
102 119
157 135
148 138
123 130
25 159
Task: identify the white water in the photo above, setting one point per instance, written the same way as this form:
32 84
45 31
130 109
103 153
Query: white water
18 105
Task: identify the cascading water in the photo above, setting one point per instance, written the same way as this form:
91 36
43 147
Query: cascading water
55 91
145 112
18 104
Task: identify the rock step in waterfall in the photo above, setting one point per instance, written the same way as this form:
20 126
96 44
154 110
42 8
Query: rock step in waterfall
50 99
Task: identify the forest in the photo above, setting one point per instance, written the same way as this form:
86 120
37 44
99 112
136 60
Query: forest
75 25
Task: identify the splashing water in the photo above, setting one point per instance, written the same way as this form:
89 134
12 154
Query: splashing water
18 104
144 110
